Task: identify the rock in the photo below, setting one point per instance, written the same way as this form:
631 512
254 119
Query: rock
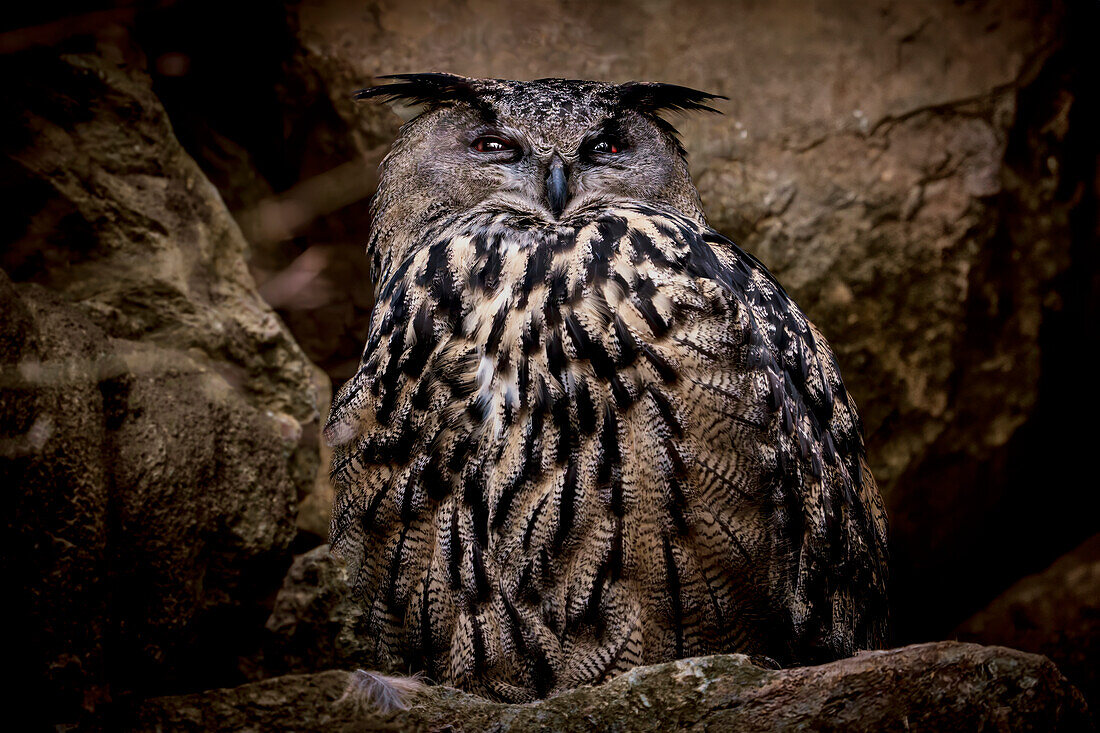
295 702
315 509
1055 613
943 686
297 178
117 217
315 625
158 424
148 499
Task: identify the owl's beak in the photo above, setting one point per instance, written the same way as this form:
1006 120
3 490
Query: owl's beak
556 186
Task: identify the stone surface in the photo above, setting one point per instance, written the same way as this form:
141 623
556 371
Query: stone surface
314 624
159 423
945 686
302 703
1055 613
116 216
295 175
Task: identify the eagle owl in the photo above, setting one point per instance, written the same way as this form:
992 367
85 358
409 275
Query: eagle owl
588 432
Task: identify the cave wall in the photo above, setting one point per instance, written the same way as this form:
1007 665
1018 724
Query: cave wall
158 423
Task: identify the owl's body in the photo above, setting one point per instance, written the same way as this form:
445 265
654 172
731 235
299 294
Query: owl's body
588 431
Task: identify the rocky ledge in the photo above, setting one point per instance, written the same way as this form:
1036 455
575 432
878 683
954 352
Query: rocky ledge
941 686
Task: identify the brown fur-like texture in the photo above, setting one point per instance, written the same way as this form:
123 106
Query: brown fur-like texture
584 442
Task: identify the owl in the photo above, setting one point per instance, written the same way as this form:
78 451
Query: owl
588 432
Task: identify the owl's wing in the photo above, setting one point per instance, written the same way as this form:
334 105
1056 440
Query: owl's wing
731 483
827 515
623 443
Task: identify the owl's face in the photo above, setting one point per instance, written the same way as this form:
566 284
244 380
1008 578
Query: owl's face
545 150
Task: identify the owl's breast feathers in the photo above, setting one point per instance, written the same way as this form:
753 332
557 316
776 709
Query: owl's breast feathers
572 450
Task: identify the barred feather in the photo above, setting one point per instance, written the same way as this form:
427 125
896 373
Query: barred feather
614 440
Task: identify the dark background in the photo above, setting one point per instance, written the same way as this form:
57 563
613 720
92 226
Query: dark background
921 177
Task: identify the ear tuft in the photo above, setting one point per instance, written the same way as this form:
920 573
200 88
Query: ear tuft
432 89
652 97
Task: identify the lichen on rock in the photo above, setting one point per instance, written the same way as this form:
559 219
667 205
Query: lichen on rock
944 686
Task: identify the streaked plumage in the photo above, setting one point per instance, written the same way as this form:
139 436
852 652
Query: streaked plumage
584 442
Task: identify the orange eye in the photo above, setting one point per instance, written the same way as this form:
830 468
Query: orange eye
605 145
492 144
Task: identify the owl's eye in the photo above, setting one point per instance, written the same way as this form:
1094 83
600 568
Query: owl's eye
492 144
606 145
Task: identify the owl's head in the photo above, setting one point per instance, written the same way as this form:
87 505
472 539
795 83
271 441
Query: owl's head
546 150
